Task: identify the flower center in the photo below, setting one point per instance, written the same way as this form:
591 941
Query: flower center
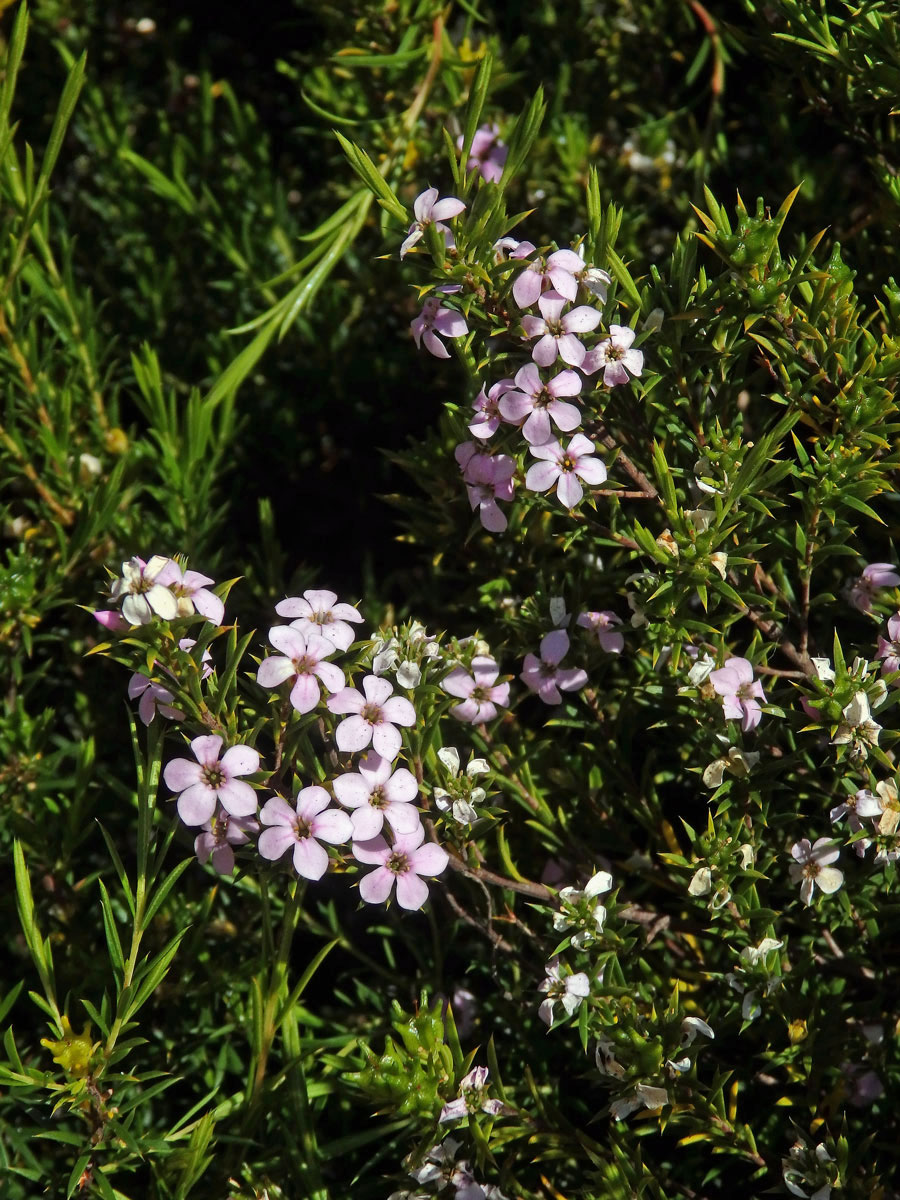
811 870
542 399
567 463
371 713
398 863
304 665
479 693
321 618
213 776
614 352
548 670
303 829
377 798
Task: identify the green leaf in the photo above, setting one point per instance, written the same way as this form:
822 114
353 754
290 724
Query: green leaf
373 179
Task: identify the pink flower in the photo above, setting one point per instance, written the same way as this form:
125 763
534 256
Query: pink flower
434 319
375 718
598 624
545 676
812 866
480 693
487 153
154 699
303 663
375 793
739 691
404 862
876 575
616 356
558 273
301 828
208 781
220 833
317 612
487 421
535 402
112 619
143 594
561 466
191 592
428 209
472 1097
557 332
890 650
489 479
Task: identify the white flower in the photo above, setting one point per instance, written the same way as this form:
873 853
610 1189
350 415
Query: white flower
753 954
558 614
824 669
143 595
701 882
409 675
568 990
386 656
643 1096
857 727
700 671
691 1027
464 795
571 898
812 866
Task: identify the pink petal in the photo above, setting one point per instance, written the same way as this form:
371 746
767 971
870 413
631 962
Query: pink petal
412 892
485 670
534 326
399 711
527 287
375 887
615 375
569 489
352 790
331 676
467 711
354 734
277 812
374 851
430 859
197 804
581 320
367 822
288 640
402 787
537 428
240 760
333 826
387 741
348 700
492 517
377 690
273 842
569 679
551 305
293 606
310 859
566 383
211 606
274 670
206 748
457 683
447 208
181 773
591 470
435 346
515 407
305 693
541 475
570 350
566 416
237 798
374 769
622 335
311 801
423 204
554 646
545 352
404 818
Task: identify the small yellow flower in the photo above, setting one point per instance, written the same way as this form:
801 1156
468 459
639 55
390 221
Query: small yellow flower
73 1051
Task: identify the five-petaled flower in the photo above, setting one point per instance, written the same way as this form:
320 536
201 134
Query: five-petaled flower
600 627
403 862
556 332
318 612
302 660
301 829
874 576
813 867
486 405
211 780
472 1097
479 692
566 989
434 319
616 356
374 718
740 692
375 792
561 466
221 833
557 273
141 592
154 699
534 402
428 209
545 676
489 478
487 153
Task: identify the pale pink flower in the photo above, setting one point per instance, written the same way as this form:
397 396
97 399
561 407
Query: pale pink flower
875 576
112 620
861 804
434 319
206 667
318 612
487 420
812 866
599 626
535 402
557 273
489 479
487 153
301 660
545 676
154 699
301 829
404 862
740 692
221 833
480 693
191 592
889 648
557 333
374 719
466 452
616 356
560 466
472 1098
208 781
429 209
376 792
141 592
